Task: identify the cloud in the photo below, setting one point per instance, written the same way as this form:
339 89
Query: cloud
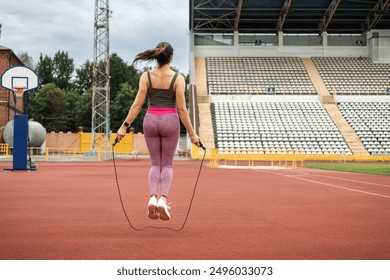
46 27
140 25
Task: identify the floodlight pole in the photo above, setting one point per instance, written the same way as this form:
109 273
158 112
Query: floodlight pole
101 79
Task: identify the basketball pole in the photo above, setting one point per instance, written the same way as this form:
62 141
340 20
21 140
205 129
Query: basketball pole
22 156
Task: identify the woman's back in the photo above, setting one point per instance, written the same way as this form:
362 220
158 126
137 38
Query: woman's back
161 79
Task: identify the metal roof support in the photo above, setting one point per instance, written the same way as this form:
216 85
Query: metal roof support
238 14
221 23
192 10
255 16
283 15
324 23
221 20
376 14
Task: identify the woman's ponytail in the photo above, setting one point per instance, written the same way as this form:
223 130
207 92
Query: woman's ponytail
162 53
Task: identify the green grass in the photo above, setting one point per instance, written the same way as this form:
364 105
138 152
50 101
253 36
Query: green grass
380 169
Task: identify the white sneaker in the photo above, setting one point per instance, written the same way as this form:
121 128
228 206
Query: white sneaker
162 209
152 208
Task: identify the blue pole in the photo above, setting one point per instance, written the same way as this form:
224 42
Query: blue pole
20 142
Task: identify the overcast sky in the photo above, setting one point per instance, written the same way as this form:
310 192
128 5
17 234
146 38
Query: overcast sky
47 26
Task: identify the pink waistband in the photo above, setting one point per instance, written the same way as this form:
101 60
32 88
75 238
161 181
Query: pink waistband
161 111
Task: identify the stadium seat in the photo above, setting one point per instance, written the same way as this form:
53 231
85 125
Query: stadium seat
278 127
371 123
353 75
257 75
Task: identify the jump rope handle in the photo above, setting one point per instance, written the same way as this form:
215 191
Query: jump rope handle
115 141
201 145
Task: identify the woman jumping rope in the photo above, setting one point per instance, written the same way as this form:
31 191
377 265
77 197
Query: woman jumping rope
165 90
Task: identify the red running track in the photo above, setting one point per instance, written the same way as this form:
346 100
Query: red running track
72 211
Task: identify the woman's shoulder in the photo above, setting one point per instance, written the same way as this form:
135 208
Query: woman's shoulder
144 75
143 80
155 73
179 76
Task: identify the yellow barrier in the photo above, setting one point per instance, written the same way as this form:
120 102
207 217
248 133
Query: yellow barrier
242 157
4 148
125 146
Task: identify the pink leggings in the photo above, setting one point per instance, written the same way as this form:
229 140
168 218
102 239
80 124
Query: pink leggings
161 135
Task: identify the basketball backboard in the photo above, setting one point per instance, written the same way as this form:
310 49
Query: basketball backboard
19 77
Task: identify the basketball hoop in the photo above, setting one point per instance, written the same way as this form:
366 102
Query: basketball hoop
18 90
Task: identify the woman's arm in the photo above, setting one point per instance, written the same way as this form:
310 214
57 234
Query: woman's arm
135 107
182 109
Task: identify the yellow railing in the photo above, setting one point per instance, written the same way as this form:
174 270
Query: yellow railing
68 153
235 157
125 146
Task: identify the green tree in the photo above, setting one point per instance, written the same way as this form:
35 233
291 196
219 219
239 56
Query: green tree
49 106
83 117
74 109
84 75
121 105
44 69
26 59
124 80
121 72
58 70
63 68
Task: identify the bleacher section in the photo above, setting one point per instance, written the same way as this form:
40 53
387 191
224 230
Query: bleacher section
371 121
274 125
257 75
353 75
286 105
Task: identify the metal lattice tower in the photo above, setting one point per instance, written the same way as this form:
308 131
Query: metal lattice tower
101 79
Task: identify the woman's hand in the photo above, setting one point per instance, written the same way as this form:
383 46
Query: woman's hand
195 139
121 132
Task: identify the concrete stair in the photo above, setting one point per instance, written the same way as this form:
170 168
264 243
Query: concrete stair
329 103
350 136
206 132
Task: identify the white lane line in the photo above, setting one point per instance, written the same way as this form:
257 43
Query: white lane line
355 181
331 185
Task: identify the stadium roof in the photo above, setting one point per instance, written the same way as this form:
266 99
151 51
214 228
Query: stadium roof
289 16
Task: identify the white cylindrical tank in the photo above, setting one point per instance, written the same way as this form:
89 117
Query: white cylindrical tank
36 133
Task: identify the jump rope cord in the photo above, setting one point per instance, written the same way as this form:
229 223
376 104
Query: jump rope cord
156 227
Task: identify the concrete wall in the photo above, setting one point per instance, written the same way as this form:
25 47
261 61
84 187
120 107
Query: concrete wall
284 51
326 45
379 46
62 140
139 143
362 98
7 60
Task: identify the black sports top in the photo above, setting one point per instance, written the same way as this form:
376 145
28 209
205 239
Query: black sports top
162 98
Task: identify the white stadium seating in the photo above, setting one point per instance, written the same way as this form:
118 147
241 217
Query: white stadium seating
257 75
275 127
268 105
353 75
371 121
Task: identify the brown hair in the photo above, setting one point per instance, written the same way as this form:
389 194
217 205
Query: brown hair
162 53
